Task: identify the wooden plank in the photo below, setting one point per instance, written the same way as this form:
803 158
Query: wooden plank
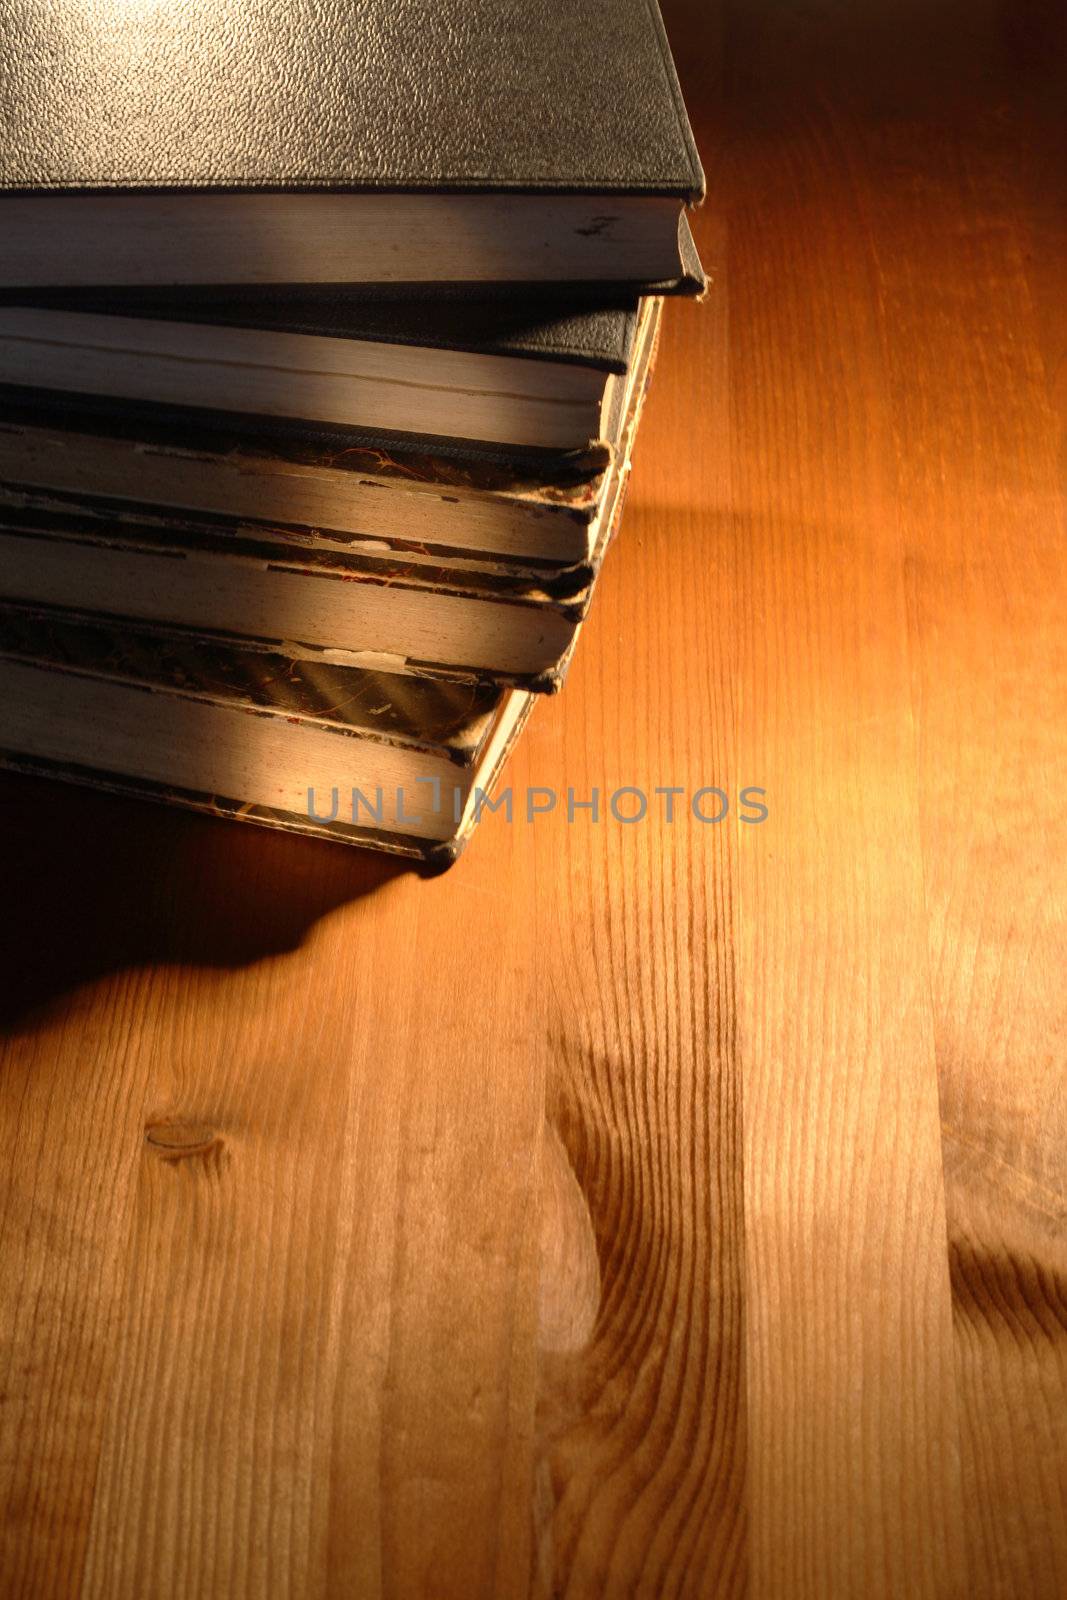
853 1432
271 1233
101 901
641 1415
982 493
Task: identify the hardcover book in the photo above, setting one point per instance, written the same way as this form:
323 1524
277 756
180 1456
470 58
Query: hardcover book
319 492
499 378
257 141
360 757
385 613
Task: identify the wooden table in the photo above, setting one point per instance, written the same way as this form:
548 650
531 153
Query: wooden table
664 1208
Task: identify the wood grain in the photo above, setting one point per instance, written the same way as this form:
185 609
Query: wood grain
641 1423
993 605
673 1208
854 1485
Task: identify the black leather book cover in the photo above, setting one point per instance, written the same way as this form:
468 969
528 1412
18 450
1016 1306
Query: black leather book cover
598 335
475 96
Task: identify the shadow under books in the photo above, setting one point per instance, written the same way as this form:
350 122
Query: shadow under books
92 884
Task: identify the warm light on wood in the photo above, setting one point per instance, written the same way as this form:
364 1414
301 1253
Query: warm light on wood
665 1209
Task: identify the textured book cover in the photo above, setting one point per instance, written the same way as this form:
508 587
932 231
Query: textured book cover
390 142
395 95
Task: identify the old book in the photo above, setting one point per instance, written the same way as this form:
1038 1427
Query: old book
361 757
319 493
496 378
394 519
387 142
383 613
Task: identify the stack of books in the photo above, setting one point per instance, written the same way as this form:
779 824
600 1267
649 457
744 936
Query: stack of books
324 336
